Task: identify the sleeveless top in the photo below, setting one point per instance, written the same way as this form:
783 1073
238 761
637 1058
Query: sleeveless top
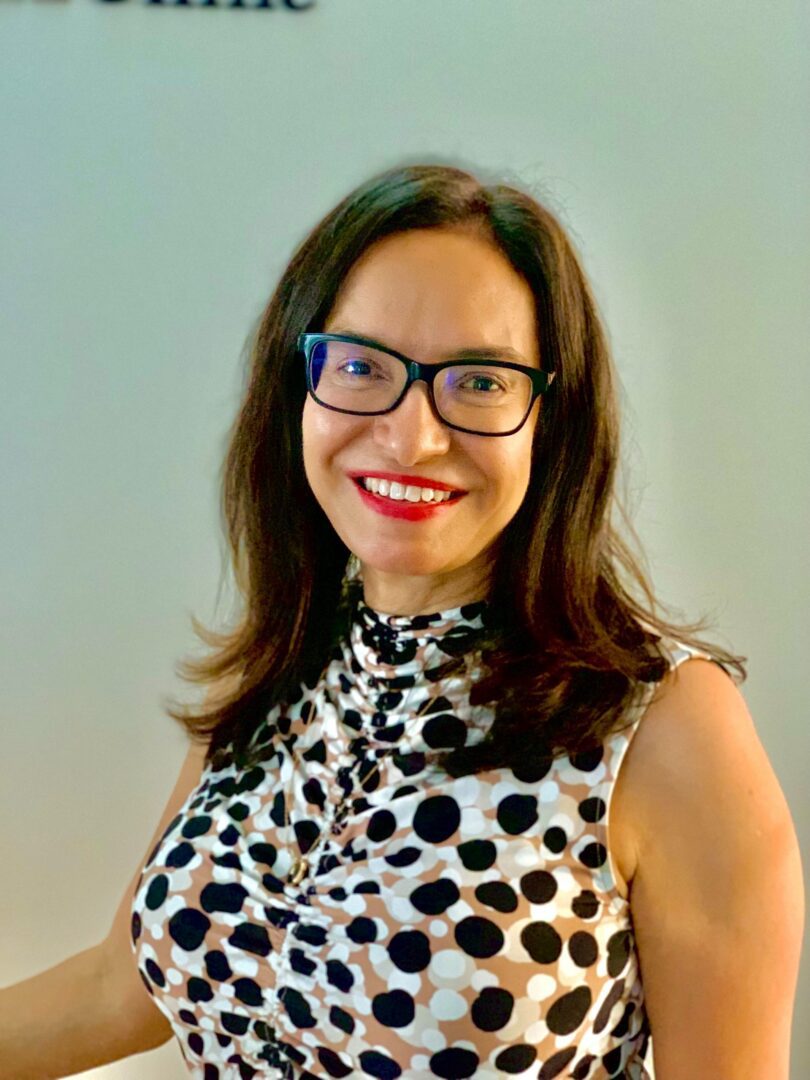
444 927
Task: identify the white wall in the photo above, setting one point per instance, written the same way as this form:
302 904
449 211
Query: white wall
157 168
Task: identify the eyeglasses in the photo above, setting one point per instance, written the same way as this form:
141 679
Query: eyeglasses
474 394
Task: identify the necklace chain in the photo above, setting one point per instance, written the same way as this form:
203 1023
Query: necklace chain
300 865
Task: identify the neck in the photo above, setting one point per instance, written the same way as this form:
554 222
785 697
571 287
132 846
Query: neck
422 594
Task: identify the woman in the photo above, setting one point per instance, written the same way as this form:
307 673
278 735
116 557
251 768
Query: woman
401 845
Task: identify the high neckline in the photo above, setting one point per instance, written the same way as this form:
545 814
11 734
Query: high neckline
433 625
390 647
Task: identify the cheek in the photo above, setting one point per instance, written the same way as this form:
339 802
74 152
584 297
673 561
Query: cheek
508 474
309 440
521 463
320 434
519 485
324 436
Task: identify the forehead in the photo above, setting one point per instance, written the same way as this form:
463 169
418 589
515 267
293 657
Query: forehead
427 291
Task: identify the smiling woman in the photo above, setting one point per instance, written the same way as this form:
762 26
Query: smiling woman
439 728
458 803
456 293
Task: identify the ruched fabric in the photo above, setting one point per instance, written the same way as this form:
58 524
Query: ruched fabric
443 927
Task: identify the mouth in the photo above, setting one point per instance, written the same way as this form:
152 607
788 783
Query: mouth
416 494
399 497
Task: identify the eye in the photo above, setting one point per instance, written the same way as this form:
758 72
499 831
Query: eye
361 369
477 382
481 382
355 366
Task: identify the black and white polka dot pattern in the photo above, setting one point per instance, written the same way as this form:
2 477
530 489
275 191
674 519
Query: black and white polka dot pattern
466 927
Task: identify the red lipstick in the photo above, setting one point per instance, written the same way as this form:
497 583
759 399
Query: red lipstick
402 508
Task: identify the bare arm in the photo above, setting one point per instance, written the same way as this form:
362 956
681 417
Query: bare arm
92 1008
717 898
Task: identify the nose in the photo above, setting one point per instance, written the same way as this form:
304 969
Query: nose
413 432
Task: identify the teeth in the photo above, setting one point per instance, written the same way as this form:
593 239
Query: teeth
401 492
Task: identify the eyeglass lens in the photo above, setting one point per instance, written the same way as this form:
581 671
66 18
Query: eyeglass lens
476 396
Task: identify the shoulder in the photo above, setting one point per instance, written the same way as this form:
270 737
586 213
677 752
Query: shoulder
697 726
700 810
716 867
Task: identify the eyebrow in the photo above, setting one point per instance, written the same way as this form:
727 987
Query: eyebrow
481 352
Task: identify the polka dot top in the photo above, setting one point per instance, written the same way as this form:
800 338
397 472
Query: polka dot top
439 927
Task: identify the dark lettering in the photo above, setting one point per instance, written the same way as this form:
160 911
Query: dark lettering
293 5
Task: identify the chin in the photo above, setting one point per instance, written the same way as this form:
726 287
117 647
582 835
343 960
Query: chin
403 567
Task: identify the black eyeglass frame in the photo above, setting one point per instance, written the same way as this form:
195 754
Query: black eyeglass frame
541 380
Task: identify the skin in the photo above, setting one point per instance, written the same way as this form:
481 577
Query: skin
701 836
425 293
715 882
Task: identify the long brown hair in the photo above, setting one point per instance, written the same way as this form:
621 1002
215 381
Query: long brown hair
568 646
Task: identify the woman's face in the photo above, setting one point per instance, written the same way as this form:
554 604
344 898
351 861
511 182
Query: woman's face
425 293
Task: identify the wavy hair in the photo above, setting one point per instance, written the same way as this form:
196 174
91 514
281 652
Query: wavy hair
573 630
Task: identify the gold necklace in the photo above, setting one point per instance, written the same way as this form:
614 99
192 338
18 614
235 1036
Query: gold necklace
300 865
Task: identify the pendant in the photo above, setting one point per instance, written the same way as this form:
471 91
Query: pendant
297 872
